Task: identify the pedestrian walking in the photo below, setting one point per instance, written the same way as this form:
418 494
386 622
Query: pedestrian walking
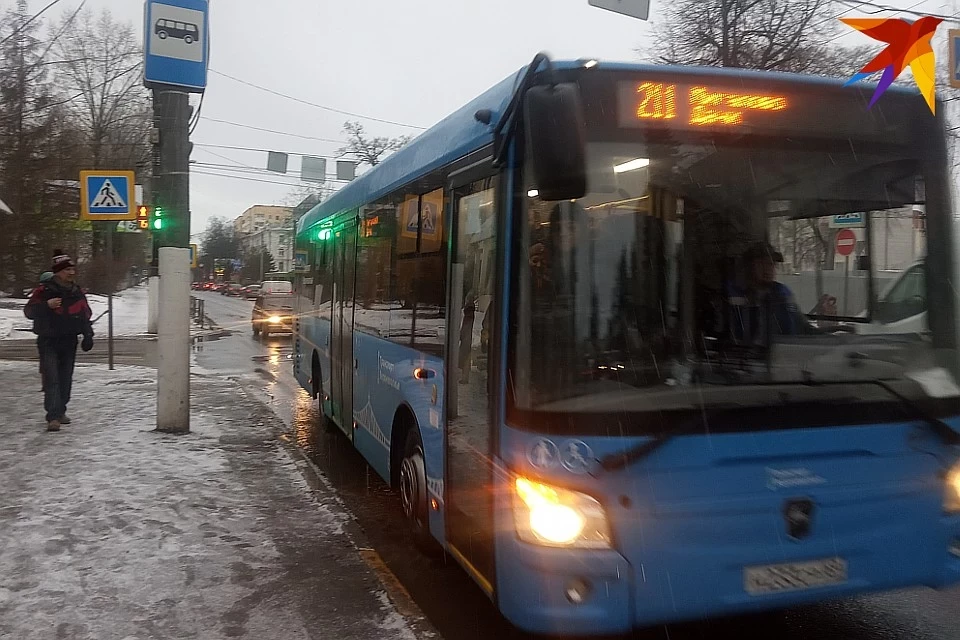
60 313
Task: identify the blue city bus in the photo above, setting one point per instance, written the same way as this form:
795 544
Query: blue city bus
605 331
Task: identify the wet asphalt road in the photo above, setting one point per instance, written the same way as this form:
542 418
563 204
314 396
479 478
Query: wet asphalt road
451 601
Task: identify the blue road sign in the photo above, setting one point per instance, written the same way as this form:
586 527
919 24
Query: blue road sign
845 220
176 44
301 258
107 195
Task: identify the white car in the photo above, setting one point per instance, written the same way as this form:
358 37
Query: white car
902 306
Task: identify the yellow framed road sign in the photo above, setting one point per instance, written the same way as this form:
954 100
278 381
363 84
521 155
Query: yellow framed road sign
108 195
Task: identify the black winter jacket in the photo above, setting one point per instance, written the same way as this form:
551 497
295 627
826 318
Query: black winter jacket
72 318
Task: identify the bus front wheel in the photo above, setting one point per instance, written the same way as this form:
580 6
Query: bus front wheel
413 491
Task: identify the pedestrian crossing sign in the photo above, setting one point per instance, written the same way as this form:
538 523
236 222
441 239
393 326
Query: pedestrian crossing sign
107 195
426 219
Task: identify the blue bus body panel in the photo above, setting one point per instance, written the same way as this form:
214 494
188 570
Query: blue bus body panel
313 337
689 518
383 383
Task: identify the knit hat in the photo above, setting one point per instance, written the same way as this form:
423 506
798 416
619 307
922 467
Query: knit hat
61 261
45 276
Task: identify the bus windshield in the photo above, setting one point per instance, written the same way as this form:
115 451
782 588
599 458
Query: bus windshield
703 261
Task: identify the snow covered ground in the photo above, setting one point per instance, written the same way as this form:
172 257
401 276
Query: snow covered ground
109 529
129 315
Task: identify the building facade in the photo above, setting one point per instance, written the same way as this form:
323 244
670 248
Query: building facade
278 241
259 217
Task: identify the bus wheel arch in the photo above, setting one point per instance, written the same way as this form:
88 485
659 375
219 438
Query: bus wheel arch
409 477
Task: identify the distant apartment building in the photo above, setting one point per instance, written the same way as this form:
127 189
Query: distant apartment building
278 241
260 217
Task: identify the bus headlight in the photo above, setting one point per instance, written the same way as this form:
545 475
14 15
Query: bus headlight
274 320
554 517
951 501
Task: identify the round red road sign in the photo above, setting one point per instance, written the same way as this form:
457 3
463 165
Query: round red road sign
846 242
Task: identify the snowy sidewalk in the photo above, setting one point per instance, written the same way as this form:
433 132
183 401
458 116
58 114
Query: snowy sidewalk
110 530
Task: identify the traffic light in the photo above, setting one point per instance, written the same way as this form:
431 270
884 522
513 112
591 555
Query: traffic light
158 220
143 216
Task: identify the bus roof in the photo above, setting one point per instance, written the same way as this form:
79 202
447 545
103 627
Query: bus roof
460 133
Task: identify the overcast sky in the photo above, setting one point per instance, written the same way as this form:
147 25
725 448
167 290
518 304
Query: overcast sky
407 61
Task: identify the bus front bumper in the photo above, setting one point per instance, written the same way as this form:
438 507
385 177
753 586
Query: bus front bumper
657 577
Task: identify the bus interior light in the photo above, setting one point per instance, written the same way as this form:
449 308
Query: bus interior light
633 165
551 516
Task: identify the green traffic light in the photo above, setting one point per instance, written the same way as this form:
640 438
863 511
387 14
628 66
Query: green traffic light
324 234
158 224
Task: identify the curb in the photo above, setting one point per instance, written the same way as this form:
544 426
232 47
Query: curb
399 597
403 603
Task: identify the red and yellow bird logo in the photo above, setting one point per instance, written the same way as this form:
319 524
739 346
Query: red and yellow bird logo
908 43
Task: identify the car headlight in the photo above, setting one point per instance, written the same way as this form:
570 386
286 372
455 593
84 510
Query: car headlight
274 320
554 517
951 501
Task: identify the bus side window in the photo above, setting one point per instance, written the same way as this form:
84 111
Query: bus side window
375 241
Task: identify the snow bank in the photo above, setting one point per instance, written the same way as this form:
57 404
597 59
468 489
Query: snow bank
129 315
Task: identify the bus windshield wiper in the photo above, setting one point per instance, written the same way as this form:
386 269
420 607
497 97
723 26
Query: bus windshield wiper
941 429
623 459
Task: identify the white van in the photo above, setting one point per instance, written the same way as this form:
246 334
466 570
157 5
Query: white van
902 307
275 286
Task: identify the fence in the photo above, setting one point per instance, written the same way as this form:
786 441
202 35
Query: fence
804 287
197 310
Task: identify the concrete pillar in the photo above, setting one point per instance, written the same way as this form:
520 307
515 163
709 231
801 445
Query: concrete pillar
153 303
173 342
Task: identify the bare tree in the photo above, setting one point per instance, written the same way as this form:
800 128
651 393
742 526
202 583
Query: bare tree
100 62
99 65
780 35
32 131
368 150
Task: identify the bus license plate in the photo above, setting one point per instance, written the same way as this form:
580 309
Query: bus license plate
793 576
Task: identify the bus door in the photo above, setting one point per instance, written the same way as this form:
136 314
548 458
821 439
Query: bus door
341 337
470 373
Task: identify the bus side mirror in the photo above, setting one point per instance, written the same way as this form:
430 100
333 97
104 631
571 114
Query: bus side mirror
556 141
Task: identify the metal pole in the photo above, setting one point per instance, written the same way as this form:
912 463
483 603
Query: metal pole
846 282
886 240
110 232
